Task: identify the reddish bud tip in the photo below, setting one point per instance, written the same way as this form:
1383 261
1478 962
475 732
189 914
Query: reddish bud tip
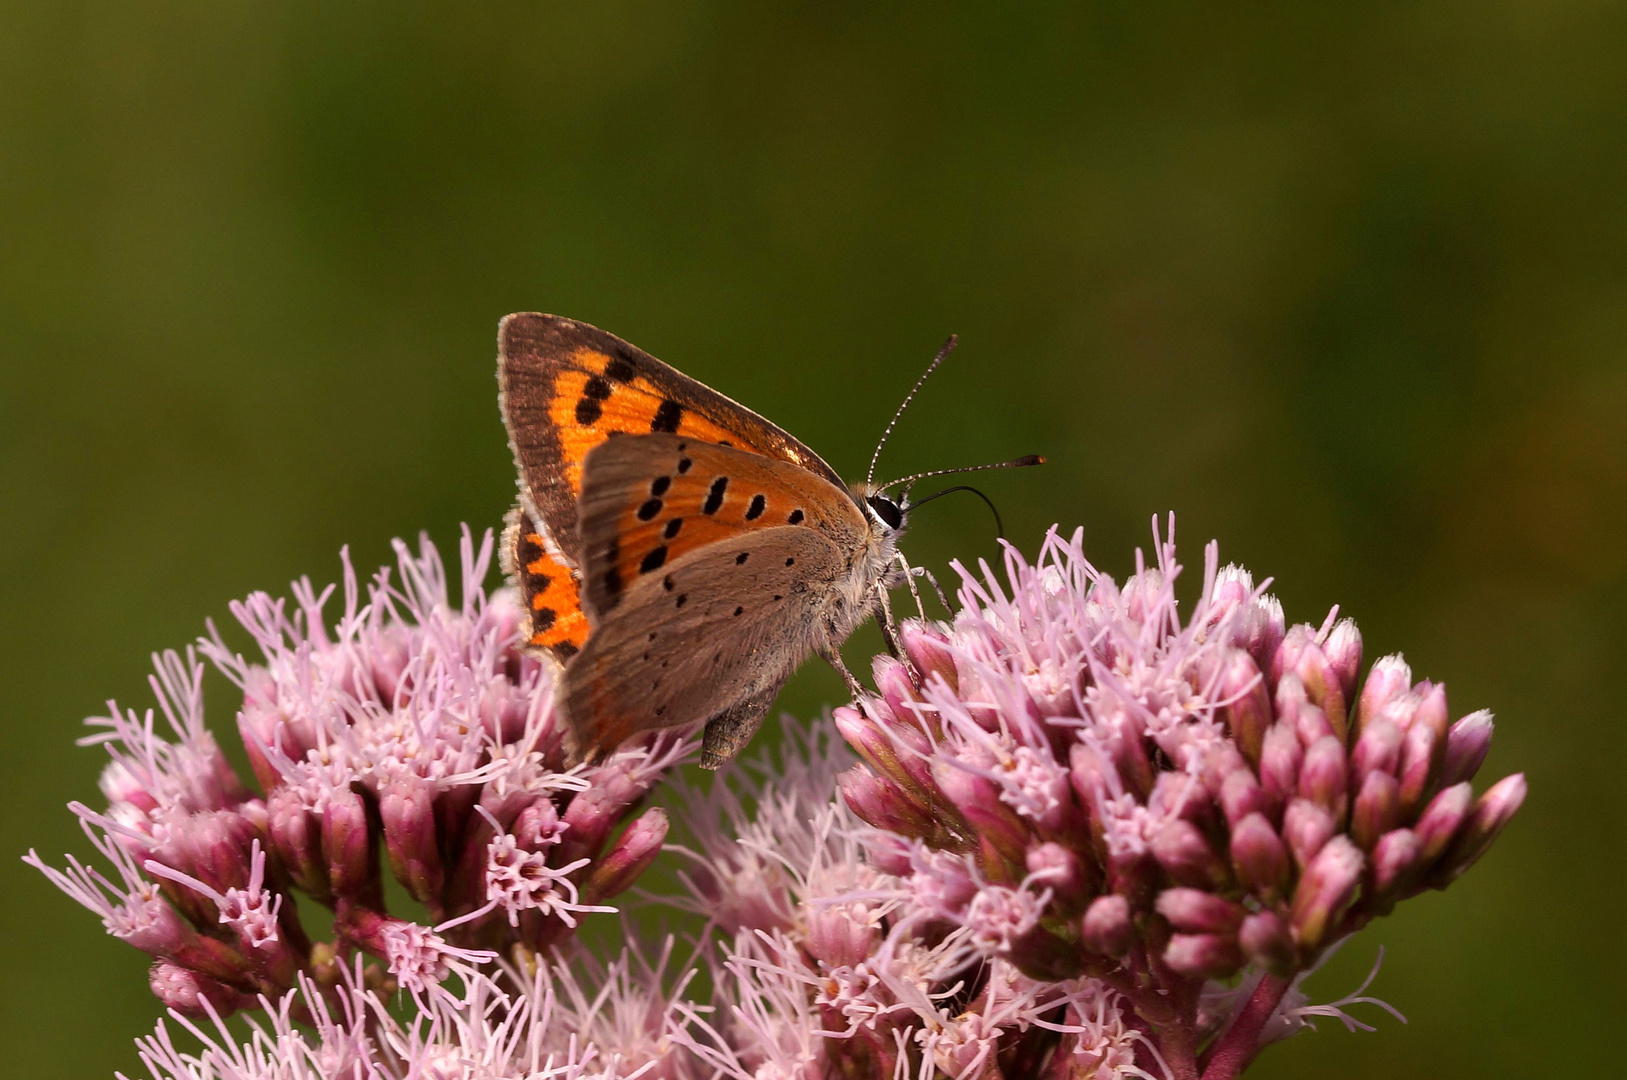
1466 745
1106 927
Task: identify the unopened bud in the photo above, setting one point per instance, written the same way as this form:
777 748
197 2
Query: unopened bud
1060 870
1187 857
1198 911
1249 713
1265 939
1442 819
1421 754
1241 795
1378 748
1325 890
897 687
407 811
1106 927
841 934
880 803
628 857
1343 650
1306 827
1493 811
1002 834
1203 956
1388 677
1280 759
1397 858
1301 655
1376 810
296 836
1466 747
348 844
195 995
1322 777
926 646
1259 857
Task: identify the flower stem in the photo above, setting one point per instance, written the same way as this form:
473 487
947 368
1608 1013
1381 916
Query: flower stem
1235 1049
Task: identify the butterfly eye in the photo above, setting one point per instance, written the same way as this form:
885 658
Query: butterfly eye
887 510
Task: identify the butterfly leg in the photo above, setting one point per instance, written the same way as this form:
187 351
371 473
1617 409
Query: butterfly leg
730 730
889 626
830 656
909 579
942 599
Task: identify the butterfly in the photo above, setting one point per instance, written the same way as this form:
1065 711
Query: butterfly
676 553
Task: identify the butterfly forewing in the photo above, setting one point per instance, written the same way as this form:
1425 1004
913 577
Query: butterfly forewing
566 387
647 501
711 630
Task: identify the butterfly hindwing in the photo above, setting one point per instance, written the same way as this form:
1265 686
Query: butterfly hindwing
548 589
649 500
566 387
710 633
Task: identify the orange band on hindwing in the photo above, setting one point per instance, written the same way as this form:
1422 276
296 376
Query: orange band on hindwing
549 592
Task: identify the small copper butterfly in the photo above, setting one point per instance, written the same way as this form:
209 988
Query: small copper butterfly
676 552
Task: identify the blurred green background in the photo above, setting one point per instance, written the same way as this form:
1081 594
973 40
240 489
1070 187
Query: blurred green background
1343 285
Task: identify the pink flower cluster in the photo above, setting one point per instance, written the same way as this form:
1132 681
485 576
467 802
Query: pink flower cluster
407 732
1084 783
1085 837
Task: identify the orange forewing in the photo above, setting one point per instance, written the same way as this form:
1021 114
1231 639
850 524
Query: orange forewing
567 387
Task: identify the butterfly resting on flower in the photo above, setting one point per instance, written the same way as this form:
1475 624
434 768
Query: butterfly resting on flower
676 552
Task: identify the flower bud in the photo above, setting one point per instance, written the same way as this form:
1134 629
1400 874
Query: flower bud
925 645
1306 827
1106 927
1198 911
1183 852
1060 870
1322 777
1397 858
348 844
1280 760
891 751
1466 745
897 687
1203 956
1440 821
1300 654
1295 707
1241 795
1265 939
880 803
1377 808
1325 890
1002 833
1259 857
296 835
627 858
1378 748
406 808
1343 650
1422 752
1493 811
195 995
1388 677
1262 630
1249 713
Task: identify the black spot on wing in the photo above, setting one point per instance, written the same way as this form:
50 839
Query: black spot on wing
622 369
650 508
542 619
714 497
658 486
653 560
742 557
667 416
672 528
795 518
684 464
758 504
588 409
565 650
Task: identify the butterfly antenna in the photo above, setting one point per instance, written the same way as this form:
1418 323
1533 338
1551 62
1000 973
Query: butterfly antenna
908 481
999 526
943 353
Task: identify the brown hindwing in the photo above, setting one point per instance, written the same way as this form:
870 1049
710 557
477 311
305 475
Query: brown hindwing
566 387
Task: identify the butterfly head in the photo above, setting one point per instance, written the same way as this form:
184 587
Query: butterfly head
885 511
